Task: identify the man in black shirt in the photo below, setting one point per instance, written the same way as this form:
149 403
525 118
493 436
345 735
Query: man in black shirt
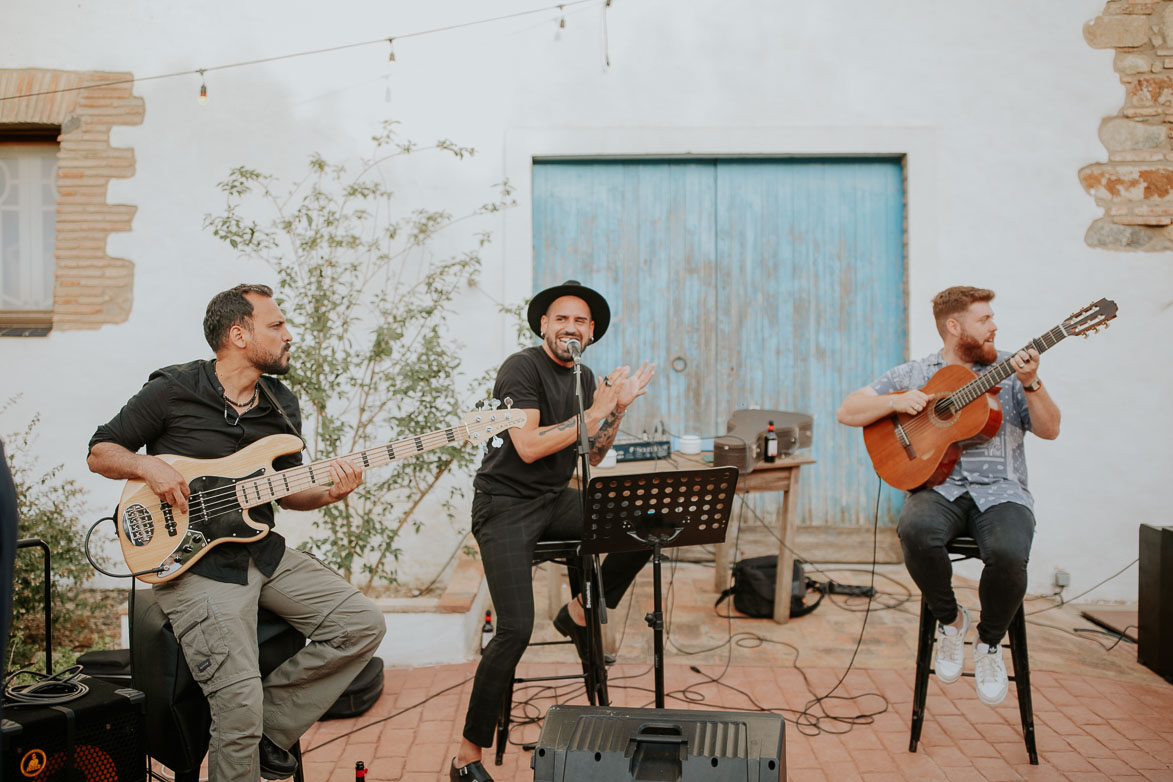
193 410
522 495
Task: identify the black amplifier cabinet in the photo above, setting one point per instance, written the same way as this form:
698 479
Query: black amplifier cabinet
96 738
1154 637
606 744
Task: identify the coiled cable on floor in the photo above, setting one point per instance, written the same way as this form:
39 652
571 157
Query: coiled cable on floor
62 687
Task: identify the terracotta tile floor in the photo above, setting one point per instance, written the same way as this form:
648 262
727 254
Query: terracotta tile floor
1099 715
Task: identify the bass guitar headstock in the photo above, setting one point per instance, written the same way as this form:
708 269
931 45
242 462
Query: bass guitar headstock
1090 319
490 419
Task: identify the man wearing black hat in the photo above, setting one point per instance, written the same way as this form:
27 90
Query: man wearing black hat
522 495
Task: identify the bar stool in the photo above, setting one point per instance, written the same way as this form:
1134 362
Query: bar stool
178 719
967 548
594 673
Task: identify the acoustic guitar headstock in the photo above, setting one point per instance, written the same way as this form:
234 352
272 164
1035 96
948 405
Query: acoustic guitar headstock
1090 319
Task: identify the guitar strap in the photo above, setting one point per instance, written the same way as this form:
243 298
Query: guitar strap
273 401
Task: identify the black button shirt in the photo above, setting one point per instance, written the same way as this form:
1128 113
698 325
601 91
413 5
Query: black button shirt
181 410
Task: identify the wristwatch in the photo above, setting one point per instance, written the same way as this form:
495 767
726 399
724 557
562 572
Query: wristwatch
1035 386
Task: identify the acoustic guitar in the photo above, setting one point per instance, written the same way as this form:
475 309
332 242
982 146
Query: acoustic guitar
159 543
909 451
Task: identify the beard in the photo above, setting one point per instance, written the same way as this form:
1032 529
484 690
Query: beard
275 363
558 348
973 352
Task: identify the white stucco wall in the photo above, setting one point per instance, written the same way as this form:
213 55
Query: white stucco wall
997 106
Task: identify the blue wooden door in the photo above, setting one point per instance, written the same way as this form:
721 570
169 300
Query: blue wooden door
773 283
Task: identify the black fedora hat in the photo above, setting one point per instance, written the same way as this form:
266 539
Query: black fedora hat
540 304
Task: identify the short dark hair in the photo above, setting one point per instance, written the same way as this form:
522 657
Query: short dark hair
956 300
230 308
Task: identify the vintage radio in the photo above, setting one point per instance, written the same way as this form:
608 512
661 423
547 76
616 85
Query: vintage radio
743 444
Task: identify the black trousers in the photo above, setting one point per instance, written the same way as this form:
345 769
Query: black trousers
507 530
1004 533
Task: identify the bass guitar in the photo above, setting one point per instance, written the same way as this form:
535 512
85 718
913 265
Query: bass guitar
909 451
159 543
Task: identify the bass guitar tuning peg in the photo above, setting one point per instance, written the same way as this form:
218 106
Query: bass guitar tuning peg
509 401
493 404
497 441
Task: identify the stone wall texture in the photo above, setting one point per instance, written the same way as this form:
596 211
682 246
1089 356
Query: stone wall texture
91 287
1135 185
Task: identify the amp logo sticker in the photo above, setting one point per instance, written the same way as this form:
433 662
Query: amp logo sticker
33 762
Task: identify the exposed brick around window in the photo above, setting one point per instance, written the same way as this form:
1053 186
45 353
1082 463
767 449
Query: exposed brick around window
91 288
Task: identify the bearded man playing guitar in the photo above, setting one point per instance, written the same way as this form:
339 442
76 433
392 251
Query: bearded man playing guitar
212 409
984 497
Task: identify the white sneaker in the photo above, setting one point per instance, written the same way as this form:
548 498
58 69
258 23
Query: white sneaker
989 673
951 649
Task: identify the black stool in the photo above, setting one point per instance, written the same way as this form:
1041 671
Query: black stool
966 548
594 673
178 719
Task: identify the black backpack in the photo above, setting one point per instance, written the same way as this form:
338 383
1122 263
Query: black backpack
753 588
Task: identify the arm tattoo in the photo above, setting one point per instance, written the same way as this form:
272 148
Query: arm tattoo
603 439
562 427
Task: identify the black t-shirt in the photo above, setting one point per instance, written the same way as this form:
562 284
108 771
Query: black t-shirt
181 410
534 381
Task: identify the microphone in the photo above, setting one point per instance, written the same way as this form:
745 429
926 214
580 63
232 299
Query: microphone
575 348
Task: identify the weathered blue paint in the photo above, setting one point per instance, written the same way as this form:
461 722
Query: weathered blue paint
775 283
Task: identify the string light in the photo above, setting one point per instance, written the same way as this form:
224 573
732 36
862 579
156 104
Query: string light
390 59
203 99
561 24
308 53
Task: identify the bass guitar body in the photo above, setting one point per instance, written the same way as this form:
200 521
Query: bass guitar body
910 451
155 536
159 543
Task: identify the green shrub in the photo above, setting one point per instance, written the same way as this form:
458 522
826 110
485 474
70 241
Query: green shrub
52 508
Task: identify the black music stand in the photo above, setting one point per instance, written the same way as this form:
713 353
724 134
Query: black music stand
658 510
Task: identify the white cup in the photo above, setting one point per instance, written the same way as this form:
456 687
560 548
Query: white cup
609 459
690 443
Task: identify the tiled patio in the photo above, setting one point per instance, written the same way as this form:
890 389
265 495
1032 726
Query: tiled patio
1099 715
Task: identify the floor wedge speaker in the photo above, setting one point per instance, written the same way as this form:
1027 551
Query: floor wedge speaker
95 738
606 744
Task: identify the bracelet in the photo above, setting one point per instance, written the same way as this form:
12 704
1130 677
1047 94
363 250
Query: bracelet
1035 386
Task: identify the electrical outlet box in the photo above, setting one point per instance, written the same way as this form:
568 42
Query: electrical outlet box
1062 578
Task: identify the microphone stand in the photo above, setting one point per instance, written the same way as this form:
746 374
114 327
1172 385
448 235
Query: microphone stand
584 466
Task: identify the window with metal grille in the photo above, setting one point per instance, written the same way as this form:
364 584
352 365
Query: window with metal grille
28 226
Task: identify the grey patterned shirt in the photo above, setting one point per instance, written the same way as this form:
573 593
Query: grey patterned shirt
994 470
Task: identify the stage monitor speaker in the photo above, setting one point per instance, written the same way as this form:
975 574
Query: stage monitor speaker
96 738
1154 636
607 744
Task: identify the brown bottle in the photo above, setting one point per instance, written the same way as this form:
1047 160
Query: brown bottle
771 444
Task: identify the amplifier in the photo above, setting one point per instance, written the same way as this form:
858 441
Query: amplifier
607 744
1154 636
96 738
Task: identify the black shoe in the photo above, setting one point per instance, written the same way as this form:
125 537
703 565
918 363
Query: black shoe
575 632
473 772
276 763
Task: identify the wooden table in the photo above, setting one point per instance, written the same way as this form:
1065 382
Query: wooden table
781 476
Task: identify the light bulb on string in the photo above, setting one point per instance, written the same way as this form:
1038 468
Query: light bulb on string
561 24
203 99
390 59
